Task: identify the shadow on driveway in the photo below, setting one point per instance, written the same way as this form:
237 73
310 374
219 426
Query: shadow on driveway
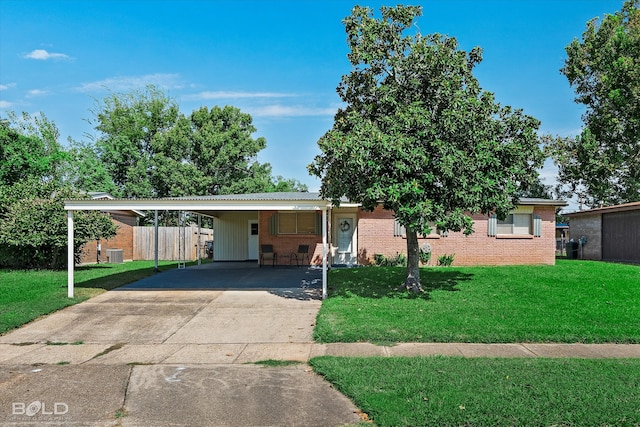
302 283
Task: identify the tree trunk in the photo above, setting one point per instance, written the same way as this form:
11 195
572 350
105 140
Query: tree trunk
412 281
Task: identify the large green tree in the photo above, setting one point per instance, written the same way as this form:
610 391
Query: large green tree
29 148
419 135
130 127
33 222
86 172
602 164
150 149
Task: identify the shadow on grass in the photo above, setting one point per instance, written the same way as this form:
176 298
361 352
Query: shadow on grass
384 282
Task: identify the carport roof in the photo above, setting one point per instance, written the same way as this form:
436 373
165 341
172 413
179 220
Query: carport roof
255 201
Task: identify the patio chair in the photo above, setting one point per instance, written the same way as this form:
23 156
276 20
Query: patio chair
303 251
266 253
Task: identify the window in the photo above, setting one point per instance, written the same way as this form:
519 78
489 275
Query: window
519 224
522 221
296 223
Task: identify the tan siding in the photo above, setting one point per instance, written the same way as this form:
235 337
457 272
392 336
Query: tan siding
231 231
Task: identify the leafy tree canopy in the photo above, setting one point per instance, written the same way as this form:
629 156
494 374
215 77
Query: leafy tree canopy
419 135
602 164
150 149
29 149
33 222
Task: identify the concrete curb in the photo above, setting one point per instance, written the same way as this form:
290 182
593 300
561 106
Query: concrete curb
242 353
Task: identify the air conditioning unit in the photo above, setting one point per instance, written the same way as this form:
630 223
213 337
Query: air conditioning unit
114 256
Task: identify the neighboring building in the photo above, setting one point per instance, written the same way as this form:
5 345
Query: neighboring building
612 233
125 221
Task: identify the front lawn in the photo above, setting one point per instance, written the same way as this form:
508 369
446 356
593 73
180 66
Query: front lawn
451 391
27 295
573 301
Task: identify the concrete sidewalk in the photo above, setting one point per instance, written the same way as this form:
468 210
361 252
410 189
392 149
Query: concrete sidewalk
186 358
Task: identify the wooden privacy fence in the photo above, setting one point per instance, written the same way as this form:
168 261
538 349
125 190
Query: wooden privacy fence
169 242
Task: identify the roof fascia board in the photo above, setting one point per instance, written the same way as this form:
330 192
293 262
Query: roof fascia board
608 209
192 205
542 202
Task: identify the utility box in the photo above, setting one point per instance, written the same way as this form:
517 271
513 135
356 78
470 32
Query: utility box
115 256
572 250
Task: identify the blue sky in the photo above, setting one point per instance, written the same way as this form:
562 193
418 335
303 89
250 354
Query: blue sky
278 60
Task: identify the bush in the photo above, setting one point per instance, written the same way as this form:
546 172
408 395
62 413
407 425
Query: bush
33 225
446 260
399 260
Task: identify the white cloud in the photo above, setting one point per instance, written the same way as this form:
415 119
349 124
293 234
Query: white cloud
37 92
291 111
7 86
43 55
125 83
5 104
236 95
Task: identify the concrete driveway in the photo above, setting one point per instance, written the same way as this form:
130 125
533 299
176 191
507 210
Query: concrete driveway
135 357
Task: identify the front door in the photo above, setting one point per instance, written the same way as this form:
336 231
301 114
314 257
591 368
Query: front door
252 242
346 250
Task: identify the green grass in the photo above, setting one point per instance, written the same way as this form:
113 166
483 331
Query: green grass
272 363
450 391
27 295
573 301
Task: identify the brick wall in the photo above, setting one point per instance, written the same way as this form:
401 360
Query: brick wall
123 240
285 244
375 236
589 225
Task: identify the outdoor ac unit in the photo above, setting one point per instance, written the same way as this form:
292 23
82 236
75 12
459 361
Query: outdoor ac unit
114 256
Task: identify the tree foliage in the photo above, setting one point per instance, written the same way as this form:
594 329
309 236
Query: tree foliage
33 222
150 149
602 164
85 172
419 135
29 148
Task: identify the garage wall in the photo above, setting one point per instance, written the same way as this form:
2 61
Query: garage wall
621 236
590 226
231 235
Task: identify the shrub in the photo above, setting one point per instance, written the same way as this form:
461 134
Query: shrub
399 260
446 260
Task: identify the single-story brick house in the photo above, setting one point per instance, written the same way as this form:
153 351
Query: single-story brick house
527 236
612 233
345 235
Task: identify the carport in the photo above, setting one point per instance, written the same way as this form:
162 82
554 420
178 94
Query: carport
206 205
